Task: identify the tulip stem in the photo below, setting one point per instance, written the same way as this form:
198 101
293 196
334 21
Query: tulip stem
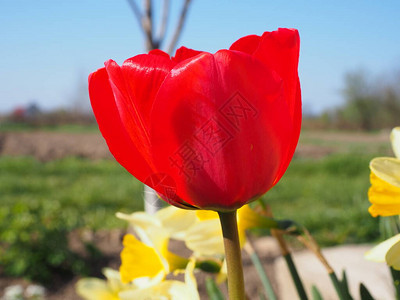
233 255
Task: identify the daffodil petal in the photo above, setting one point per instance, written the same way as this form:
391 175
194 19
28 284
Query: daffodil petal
175 262
138 260
248 218
223 273
378 252
140 218
205 238
395 138
191 282
176 220
114 280
95 289
384 197
387 169
203 215
146 282
166 290
393 256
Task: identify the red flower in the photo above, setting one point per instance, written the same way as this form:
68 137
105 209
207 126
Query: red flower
212 131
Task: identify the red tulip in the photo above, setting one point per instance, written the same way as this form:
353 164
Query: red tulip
210 131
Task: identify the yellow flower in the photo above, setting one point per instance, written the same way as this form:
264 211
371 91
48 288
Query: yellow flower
384 193
139 260
378 253
393 256
98 289
143 288
204 237
200 230
152 251
168 289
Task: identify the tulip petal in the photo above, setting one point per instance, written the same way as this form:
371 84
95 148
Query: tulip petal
395 138
135 85
279 50
297 116
184 53
222 129
112 128
247 44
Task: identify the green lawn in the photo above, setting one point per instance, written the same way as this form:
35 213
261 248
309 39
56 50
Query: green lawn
329 196
42 202
80 192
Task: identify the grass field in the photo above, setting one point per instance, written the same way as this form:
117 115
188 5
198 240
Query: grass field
80 191
328 195
325 189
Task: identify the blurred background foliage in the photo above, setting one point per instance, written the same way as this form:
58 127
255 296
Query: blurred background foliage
325 187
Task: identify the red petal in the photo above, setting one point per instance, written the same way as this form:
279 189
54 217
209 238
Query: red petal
295 134
279 50
111 127
159 52
135 85
184 53
247 44
220 128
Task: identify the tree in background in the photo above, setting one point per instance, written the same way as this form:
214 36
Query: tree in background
370 103
145 17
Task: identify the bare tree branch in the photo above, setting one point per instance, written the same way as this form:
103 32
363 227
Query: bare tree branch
179 27
147 24
163 23
136 11
145 21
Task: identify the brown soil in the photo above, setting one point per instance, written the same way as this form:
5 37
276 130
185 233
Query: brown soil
47 146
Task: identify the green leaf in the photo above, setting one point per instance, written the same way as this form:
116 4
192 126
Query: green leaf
213 291
316 295
364 293
209 266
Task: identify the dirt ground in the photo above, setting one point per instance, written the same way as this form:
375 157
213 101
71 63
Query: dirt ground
47 146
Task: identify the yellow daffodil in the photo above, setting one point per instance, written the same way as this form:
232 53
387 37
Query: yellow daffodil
384 193
98 289
142 288
204 237
378 253
200 230
168 289
393 256
139 259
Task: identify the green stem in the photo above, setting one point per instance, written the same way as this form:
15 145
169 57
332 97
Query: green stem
396 281
233 255
260 270
295 276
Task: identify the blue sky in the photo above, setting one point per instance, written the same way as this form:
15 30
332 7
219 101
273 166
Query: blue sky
48 47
